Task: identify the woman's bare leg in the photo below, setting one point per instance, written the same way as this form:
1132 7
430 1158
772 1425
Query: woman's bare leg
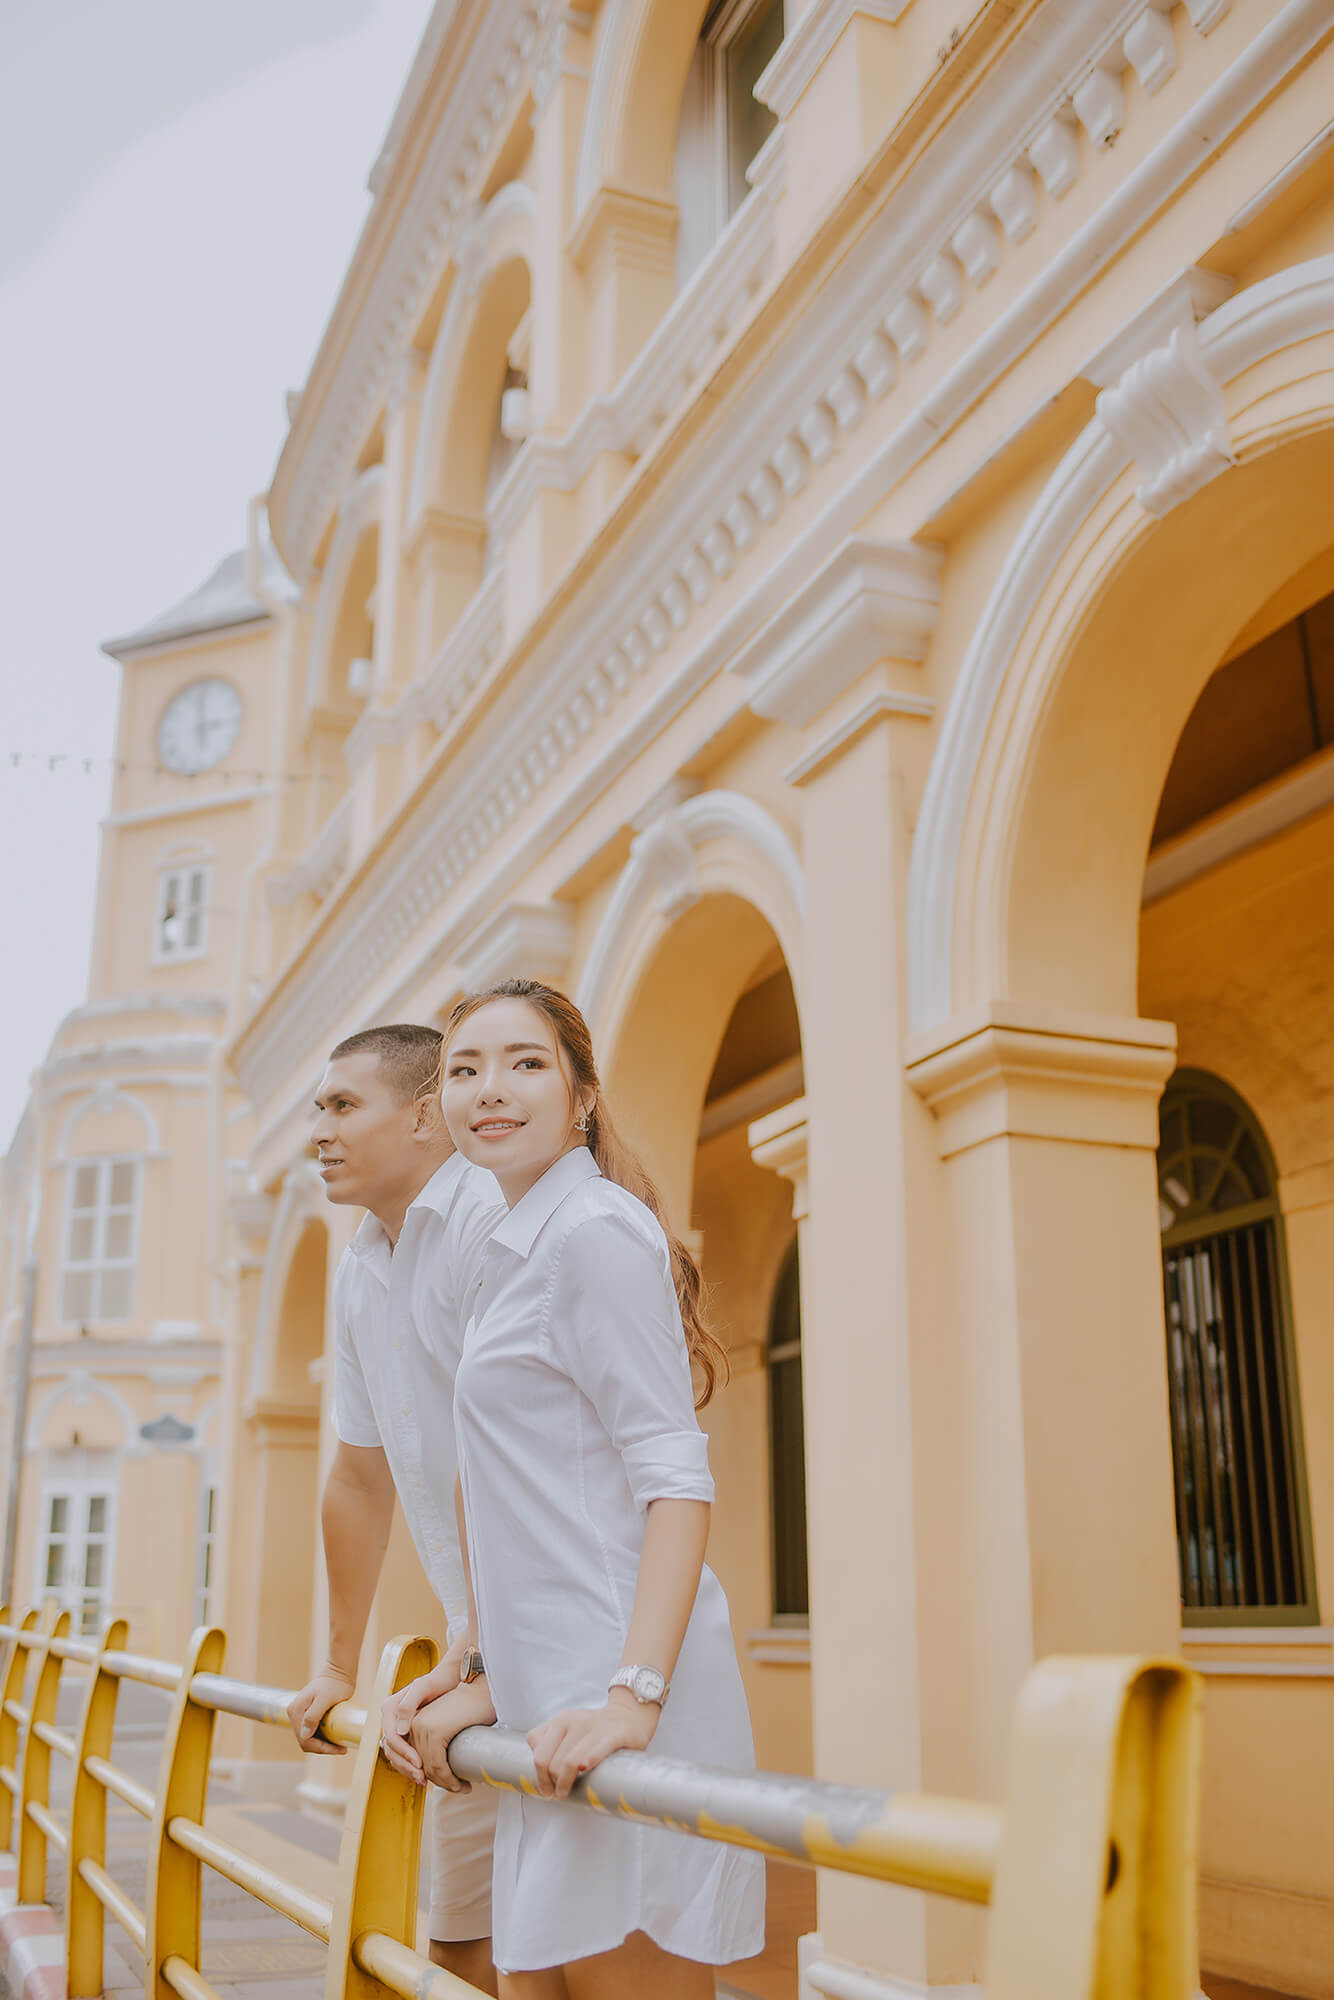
637 1967
549 1985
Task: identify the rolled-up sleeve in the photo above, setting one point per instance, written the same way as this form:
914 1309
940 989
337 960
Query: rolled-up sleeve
616 1331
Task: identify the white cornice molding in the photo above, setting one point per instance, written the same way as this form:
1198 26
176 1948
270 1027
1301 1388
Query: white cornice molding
579 679
241 795
520 941
809 41
873 600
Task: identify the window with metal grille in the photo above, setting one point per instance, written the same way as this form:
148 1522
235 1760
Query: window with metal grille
101 1227
1242 1529
787 1446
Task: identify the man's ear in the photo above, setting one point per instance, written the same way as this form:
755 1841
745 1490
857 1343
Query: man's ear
428 1123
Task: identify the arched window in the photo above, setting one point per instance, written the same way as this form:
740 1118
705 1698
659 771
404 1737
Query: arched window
1242 1530
787 1447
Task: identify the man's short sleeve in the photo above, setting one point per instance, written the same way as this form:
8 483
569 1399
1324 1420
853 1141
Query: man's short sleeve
353 1413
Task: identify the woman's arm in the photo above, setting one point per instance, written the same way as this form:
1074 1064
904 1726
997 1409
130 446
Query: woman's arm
398 1714
676 1534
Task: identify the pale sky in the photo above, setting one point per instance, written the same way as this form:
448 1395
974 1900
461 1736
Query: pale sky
183 189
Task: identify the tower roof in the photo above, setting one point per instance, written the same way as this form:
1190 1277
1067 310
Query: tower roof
222 600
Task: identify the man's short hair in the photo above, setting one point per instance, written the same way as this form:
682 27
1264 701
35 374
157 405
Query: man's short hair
409 1054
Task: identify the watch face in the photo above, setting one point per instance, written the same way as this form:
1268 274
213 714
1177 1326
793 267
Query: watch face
199 726
648 1684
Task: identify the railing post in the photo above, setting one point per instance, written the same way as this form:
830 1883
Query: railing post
173 1901
376 1887
36 1788
1095 1882
84 1926
16 1669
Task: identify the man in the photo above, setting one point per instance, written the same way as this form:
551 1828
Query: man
399 1317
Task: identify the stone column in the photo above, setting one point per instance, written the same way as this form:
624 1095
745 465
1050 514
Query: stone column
840 665
1047 1125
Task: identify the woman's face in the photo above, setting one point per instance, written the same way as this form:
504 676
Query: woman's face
508 1095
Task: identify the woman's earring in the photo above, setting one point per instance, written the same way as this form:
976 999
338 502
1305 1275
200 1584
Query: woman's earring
581 1122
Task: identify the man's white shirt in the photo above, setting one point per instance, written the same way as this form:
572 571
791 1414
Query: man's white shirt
399 1320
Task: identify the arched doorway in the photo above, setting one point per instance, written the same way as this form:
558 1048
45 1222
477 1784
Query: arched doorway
706 1043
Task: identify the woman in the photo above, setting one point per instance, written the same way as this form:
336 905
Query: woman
585 1493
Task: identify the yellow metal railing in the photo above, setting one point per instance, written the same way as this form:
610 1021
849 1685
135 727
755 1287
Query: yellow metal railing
1088 1868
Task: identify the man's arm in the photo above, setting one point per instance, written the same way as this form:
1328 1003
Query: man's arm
356 1515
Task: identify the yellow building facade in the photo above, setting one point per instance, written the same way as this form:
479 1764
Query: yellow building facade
809 526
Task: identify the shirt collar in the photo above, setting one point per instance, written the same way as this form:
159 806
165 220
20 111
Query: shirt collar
520 1229
371 1238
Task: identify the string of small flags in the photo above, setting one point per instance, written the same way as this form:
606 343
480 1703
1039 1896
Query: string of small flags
68 763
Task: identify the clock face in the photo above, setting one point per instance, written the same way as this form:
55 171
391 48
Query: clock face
199 726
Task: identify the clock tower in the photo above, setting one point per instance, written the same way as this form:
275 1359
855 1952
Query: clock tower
122 1158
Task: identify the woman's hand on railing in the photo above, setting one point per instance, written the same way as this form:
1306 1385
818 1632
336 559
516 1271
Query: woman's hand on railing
307 1710
438 1722
396 1714
577 1739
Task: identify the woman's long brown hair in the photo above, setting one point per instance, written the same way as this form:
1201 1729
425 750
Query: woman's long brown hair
616 1160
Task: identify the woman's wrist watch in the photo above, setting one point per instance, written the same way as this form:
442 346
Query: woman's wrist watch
470 1665
646 1684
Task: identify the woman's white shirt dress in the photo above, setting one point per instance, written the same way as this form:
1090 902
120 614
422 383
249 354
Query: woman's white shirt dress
574 1410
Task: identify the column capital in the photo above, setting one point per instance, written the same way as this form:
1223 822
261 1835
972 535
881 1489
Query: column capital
872 600
1017 1071
778 1141
532 939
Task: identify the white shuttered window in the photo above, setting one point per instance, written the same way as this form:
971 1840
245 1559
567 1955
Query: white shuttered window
101 1233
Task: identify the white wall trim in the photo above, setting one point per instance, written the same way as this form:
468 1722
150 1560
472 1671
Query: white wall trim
518 941
1279 311
108 1097
360 514
809 41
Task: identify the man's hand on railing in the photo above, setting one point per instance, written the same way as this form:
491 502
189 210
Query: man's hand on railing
306 1710
438 1722
397 1713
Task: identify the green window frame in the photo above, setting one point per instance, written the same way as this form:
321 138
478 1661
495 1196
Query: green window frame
1238 1459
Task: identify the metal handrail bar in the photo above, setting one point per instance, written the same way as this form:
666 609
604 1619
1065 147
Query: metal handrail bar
405 1972
114 1900
80 1651
341 1724
45 1820
310 1912
948 1846
55 1739
17 1711
138 1667
183 1979
124 1788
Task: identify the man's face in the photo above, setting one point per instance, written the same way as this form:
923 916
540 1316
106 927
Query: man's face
367 1135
